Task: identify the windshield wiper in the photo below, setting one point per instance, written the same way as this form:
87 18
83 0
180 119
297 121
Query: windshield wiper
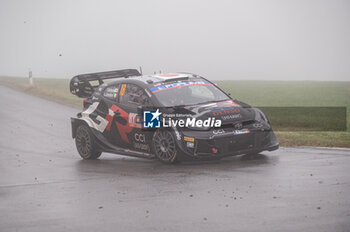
211 101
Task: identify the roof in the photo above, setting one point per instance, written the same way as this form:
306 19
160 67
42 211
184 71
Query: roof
159 78
148 81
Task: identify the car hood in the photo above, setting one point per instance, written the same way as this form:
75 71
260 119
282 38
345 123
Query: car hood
229 111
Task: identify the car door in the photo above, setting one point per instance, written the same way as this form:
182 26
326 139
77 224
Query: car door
131 96
112 115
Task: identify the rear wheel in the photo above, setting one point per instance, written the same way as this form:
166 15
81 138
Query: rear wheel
85 143
165 146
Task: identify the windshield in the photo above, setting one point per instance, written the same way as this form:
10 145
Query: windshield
188 93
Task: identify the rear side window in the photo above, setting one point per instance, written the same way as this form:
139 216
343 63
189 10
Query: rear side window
111 92
133 95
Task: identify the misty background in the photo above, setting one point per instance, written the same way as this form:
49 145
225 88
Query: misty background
228 40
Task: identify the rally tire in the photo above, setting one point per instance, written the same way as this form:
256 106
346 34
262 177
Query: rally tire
165 147
86 144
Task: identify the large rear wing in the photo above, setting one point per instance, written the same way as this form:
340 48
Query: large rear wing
83 85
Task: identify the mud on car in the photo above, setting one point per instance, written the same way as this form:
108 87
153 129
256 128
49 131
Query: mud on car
114 118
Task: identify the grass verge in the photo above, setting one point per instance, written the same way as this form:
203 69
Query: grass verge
56 90
314 138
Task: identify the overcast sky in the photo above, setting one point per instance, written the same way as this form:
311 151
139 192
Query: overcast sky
251 40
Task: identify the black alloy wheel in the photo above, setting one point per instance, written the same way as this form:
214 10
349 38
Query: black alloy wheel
165 146
85 143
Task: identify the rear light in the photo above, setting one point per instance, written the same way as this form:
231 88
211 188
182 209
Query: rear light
86 103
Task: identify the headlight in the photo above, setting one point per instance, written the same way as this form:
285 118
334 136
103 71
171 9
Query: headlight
260 116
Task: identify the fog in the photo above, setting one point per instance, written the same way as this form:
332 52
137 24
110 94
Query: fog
233 40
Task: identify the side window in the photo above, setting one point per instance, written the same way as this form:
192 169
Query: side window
111 92
134 95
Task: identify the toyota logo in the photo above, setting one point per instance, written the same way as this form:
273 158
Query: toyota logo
258 125
238 126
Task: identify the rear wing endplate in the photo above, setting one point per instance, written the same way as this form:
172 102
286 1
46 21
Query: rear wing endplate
82 86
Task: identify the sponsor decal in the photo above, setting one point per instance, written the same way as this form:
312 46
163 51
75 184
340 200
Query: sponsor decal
151 118
140 137
115 93
239 132
226 111
98 123
220 131
135 120
122 90
122 129
190 145
189 139
110 92
230 116
101 124
141 146
178 84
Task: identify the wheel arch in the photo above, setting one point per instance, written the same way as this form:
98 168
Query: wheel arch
75 123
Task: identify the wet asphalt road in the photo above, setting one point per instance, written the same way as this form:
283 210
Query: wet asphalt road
45 186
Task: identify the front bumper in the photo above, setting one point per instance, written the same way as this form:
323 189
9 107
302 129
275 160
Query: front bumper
230 144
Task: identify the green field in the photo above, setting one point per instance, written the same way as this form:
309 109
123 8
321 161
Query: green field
256 93
291 93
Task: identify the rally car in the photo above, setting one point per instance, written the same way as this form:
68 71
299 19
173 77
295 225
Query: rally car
168 116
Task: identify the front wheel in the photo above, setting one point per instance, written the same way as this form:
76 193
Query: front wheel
165 146
85 143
